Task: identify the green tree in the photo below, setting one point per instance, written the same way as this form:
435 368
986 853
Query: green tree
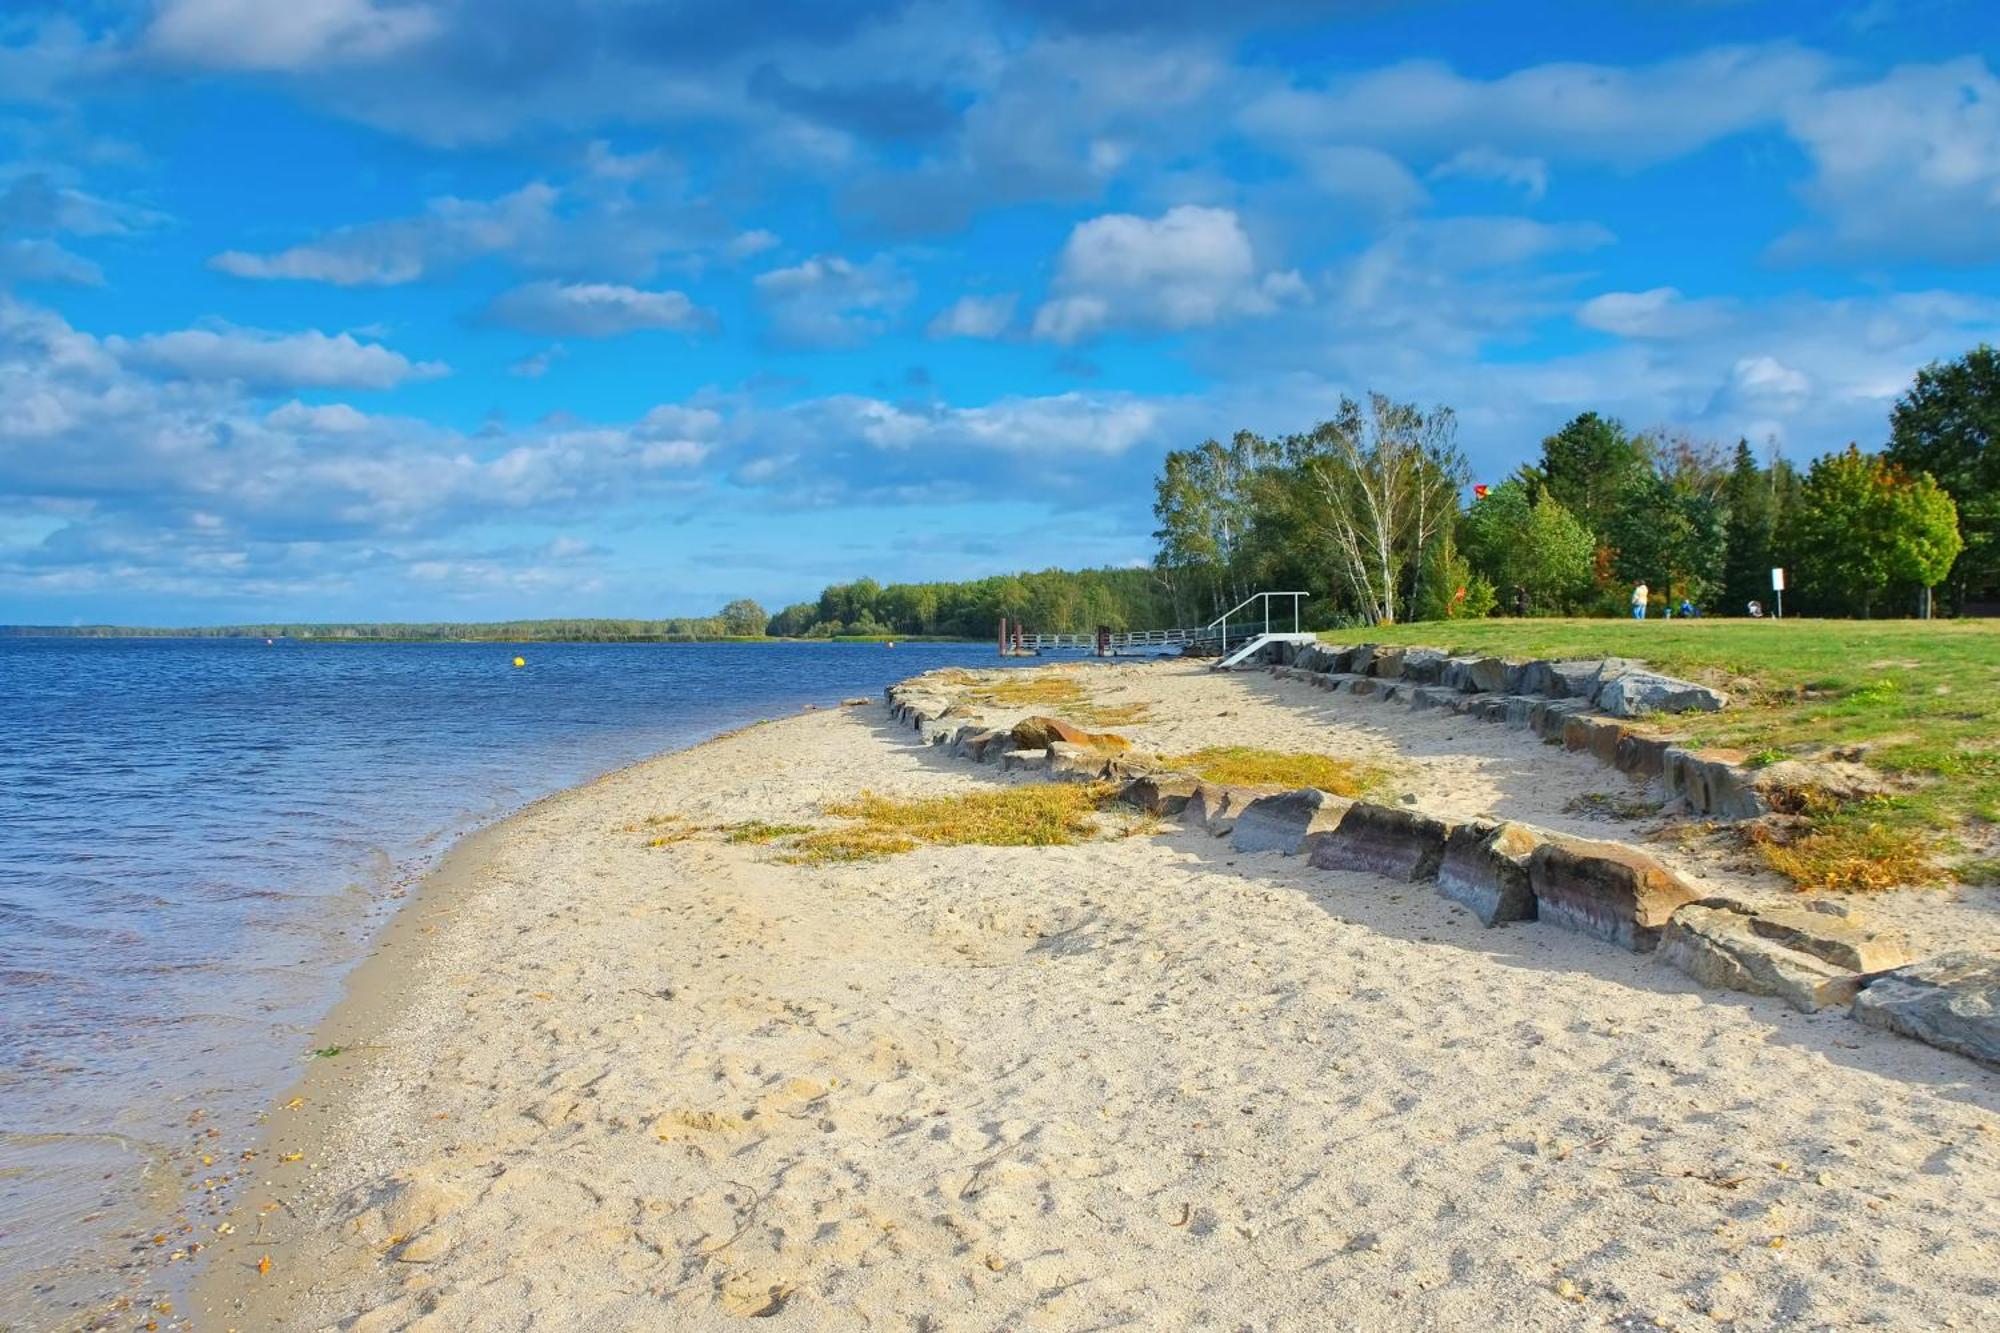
1667 538
1450 588
793 621
1373 490
1587 465
1532 542
744 618
1864 527
1948 425
1746 533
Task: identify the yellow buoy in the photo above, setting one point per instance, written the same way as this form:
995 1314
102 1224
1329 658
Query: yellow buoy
520 661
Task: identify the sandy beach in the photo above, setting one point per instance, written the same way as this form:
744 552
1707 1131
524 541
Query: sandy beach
586 1081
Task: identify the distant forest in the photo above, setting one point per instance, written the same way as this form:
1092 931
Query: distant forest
1050 601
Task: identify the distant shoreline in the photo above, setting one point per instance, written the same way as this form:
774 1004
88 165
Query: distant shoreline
137 633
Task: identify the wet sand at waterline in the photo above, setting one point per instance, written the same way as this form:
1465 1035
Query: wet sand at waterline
1148 1082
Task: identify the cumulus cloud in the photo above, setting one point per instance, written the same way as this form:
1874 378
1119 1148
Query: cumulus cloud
974 317
294 35
1190 267
829 301
596 310
1908 166
264 360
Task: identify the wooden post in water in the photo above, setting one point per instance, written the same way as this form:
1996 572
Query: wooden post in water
1003 636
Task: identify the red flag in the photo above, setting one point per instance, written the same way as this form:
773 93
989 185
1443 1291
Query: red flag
1479 492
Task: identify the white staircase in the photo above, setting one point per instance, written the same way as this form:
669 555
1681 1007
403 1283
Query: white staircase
1238 656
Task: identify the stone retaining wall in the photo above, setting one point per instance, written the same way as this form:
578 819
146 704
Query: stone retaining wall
1584 706
1814 956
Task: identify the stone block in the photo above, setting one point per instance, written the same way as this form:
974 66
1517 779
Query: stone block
1593 736
1362 685
1387 663
1078 763
1432 696
1283 822
1037 733
1424 666
1606 889
1640 756
1485 867
1362 660
1384 840
1547 717
1710 784
1024 761
984 744
1214 806
1719 945
1636 692
1951 1001
1160 793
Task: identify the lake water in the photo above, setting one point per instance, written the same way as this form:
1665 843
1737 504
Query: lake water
197 841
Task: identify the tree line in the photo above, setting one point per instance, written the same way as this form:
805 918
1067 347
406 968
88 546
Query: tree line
1375 514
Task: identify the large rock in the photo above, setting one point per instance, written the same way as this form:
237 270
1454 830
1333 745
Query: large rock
1607 889
1829 930
1711 783
1160 793
1719 944
1283 822
983 743
1383 840
1480 675
1485 867
1641 756
1951 1001
1387 663
1424 666
1036 733
1636 692
1078 763
1595 736
1024 761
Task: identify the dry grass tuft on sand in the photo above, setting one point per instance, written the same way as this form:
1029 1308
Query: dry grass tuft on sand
1058 689
1035 814
1247 766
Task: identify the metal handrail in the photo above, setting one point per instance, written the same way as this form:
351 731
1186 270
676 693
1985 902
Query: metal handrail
1223 619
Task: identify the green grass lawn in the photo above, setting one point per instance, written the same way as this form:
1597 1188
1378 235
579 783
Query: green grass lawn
1923 696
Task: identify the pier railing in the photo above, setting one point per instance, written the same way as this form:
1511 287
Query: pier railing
1016 641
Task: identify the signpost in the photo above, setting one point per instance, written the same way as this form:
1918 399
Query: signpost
1778 587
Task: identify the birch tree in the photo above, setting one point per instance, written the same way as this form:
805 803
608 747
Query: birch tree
1373 489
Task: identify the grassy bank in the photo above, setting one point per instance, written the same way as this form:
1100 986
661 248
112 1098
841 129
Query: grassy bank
1920 699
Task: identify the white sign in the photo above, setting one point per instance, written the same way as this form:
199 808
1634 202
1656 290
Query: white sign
1777 580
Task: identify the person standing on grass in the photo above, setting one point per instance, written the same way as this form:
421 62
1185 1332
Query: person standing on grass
1639 595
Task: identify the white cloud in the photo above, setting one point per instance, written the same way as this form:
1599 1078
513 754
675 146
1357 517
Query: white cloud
386 254
974 317
829 301
1528 174
1190 267
1366 177
35 260
753 242
1661 312
286 35
596 310
1908 166
263 360
1623 116
537 364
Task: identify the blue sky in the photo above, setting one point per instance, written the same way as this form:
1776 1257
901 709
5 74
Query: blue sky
433 308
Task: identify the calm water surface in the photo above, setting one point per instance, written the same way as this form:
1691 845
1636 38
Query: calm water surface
197 839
